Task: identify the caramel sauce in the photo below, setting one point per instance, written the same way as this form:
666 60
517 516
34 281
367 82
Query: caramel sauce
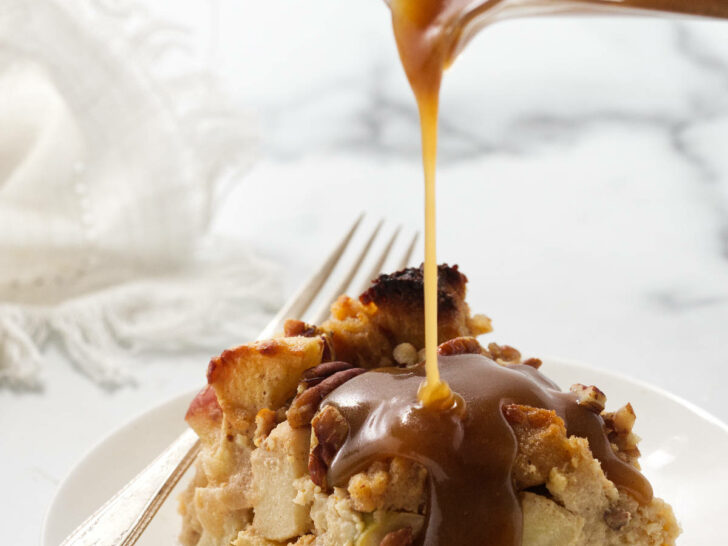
468 449
454 425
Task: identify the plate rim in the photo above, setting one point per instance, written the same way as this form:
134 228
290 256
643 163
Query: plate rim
621 376
79 463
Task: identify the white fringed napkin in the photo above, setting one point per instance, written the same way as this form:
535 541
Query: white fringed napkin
113 150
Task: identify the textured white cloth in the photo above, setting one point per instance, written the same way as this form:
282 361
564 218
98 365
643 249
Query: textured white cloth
114 150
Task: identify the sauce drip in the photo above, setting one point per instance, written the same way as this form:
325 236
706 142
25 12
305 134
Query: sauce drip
429 34
468 449
423 50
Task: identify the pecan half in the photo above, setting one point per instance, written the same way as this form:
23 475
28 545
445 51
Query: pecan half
400 537
460 346
589 397
329 430
306 403
314 376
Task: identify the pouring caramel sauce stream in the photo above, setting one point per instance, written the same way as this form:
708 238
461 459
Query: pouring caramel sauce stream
429 33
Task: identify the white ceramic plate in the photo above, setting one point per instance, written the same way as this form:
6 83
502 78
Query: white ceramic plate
683 455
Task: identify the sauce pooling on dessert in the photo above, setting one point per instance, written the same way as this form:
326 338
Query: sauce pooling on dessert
469 449
429 34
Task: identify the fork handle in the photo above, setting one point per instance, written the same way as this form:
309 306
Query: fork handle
124 517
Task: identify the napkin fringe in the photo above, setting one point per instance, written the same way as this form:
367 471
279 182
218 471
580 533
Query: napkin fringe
20 339
99 332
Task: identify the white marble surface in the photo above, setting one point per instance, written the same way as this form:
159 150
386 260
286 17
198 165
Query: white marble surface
583 188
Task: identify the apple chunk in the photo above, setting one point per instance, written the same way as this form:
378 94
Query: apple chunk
277 463
545 523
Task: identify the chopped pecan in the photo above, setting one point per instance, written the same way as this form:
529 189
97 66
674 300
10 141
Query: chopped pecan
480 324
589 397
618 426
329 430
400 537
504 354
617 518
293 328
306 403
533 362
622 420
460 346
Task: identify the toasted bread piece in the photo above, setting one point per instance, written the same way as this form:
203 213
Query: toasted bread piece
262 374
204 415
542 444
395 484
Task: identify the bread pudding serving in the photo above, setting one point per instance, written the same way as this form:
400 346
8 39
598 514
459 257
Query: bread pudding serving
316 438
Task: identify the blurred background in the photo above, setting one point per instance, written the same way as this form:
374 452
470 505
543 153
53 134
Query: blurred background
170 171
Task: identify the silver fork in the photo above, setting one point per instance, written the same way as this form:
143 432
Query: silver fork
125 516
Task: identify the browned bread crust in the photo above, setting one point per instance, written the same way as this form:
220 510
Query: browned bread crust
365 331
399 299
404 290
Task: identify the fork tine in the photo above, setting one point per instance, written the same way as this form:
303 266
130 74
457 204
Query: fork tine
300 301
377 268
408 253
323 311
